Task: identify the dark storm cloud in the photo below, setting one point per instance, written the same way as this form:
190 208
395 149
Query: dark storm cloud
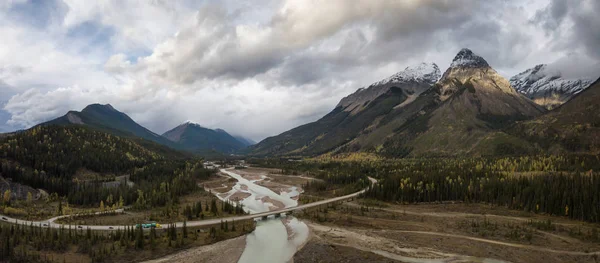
426 18
401 33
585 30
211 48
553 15
587 27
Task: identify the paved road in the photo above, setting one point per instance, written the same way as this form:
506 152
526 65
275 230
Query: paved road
51 222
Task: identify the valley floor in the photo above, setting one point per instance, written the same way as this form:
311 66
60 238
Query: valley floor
227 251
444 233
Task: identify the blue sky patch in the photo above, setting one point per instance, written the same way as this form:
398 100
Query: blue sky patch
38 13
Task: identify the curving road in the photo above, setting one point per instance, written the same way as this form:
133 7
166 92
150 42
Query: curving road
51 222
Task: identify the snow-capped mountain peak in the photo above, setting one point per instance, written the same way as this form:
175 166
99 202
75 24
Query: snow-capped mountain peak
423 72
547 86
413 80
467 59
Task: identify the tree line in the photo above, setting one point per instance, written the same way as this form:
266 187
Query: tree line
568 192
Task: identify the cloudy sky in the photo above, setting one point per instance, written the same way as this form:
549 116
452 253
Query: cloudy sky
257 68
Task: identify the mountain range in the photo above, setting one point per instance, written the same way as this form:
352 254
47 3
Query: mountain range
469 110
187 137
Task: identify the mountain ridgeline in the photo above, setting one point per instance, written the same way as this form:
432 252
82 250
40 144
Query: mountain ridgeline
548 87
108 119
197 139
417 113
469 110
358 119
187 137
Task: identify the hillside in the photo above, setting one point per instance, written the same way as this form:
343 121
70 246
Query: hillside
412 113
50 157
548 87
245 141
108 119
572 127
356 116
197 139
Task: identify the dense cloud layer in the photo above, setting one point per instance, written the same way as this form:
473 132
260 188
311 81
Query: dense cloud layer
258 68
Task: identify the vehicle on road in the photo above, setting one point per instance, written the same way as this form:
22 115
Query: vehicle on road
110 227
45 224
4 218
149 225
79 227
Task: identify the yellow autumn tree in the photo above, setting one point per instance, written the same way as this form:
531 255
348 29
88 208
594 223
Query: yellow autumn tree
6 197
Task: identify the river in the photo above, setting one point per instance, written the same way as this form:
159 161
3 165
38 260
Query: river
273 240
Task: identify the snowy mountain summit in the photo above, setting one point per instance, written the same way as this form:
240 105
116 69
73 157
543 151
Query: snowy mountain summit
467 59
413 80
547 86
424 72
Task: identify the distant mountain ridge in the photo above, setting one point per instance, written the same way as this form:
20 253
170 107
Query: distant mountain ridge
197 139
415 113
548 87
188 137
107 118
245 141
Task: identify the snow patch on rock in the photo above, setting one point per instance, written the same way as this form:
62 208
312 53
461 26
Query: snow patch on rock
544 79
413 80
424 72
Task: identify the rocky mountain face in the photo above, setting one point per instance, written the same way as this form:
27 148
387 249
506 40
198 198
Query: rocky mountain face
474 103
356 116
548 87
413 81
414 113
108 119
197 139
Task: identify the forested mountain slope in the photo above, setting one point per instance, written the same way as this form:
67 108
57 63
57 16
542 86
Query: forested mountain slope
197 139
49 157
108 119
